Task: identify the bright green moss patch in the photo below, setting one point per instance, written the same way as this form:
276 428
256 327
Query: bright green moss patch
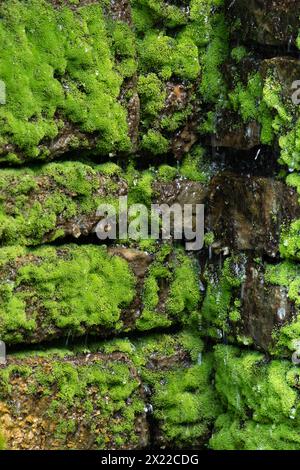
248 100
290 241
154 142
54 291
57 65
152 94
193 166
221 304
183 400
261 399
171 291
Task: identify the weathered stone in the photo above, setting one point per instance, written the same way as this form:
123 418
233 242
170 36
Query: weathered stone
92 401
267 22
60 200
117 395
248 213
232 133
249 302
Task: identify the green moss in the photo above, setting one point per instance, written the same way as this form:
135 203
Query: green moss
139 186
154 142
2 442
170 14
251 102
213 87
168 56
175 279
184 293
261 401
183 400
152 94
66 289
238 53
290 241
167 173
56 62
286 274
33 203
221 303
193 167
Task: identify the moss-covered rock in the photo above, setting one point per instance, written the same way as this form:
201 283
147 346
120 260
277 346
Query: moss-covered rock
51 292
261 400
99 396
63 79
60 401
55 200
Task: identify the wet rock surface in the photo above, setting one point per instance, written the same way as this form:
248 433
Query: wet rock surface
139 343
269 22
248 213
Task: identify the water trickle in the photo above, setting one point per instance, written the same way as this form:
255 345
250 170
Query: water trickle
148 408
199 361
293 413
242 291
2 353
67 338
257 154
201 286
281 312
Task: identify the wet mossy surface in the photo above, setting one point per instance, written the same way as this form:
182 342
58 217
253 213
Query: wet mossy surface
139 344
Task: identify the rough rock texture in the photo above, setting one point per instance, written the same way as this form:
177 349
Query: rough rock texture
267 22
248 213
100 399
166 102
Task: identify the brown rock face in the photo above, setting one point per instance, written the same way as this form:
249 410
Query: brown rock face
248 213
264 307
241 306
270 22
234 134
38 416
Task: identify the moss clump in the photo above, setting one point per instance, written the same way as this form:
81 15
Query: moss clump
213 87
168 56
290 241
154 142
193 166
167 173
170 291
261 401
152 94
54 291
57 65
251 104
221 304
286 274
183 400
